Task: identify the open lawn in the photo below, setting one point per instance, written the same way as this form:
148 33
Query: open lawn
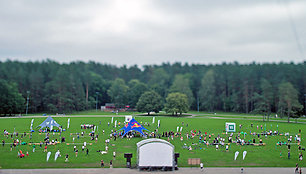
264 156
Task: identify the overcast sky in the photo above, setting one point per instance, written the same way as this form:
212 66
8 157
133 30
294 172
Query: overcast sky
153 31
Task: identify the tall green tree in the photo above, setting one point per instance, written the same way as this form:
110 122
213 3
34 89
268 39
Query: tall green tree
11 101
159 81
264 101
181 84
118 92
150 101
268 95
176 103
288 99
207 91
60 98
136 89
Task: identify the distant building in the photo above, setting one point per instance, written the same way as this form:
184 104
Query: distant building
108 107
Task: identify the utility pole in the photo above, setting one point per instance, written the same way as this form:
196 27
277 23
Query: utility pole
28 93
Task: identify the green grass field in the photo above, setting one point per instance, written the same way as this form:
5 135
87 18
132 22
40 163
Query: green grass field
264 156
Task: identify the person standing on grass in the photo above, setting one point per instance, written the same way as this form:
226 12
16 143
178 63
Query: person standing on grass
111 164
76 152
280 154
102 163
87 151
288 154
34 147
3 143
67 156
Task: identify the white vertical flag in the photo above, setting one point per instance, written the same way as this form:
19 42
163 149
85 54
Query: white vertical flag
51 127
112 119
32 124
48 155
236 154
158 123
153 121
68 124
244 154
116 123
181 129
177 129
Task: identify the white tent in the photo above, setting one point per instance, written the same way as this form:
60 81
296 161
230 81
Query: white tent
155 153
49 122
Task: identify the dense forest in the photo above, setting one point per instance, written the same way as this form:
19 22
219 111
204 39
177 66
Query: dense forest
63 88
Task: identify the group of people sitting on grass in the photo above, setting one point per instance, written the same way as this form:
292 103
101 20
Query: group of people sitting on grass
87 126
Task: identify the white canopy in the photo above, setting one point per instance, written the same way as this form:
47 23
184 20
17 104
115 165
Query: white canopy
155 153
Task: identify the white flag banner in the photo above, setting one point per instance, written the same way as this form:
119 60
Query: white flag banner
48 155
158 123
51 127
181 129
56 155
177 129
95 128
244 154
31 124
236 154
153 121
112 119
68 124
116 123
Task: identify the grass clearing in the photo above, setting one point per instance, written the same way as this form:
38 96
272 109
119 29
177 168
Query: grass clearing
264 156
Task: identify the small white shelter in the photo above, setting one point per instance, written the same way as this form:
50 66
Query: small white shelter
155 153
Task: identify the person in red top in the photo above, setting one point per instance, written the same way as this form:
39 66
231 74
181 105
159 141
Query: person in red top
45 148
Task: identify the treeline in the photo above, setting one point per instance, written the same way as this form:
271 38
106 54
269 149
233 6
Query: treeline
63 88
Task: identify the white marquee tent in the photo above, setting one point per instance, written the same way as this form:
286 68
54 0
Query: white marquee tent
156 153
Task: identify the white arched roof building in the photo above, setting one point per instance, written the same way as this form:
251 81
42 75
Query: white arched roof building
155 153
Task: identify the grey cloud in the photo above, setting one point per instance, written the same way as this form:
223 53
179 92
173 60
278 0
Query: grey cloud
151 32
